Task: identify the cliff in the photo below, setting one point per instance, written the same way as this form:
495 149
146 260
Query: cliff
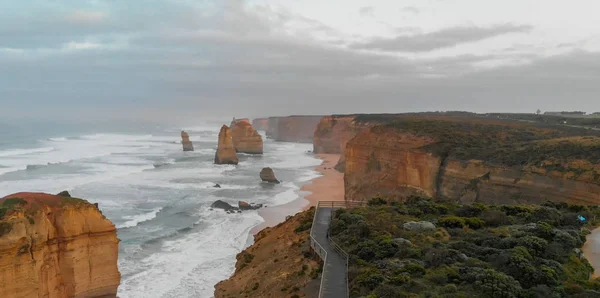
333 133
54 246
473 161
260 124
278 264
298 129
246 139
185 142
225 150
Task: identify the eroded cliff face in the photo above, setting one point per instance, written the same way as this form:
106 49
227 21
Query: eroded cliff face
333 133
246 139
299 129
56 247
260 124
276 265
225 150
387 162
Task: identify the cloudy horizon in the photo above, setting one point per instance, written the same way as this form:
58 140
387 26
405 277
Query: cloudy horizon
200 59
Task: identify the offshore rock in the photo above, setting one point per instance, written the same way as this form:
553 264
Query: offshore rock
267 174
185 142
225 151
245 138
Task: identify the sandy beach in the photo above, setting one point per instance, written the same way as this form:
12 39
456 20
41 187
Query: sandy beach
328 187
591 250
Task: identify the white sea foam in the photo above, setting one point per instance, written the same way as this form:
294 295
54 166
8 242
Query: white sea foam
18 152
191 265
61 139
134 220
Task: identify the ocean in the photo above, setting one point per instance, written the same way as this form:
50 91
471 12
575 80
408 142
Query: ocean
159 197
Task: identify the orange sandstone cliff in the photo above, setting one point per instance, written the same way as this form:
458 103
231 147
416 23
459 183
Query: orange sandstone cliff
225 150
333 133
53 246
246 139
278 264
260 123
501 164
298 129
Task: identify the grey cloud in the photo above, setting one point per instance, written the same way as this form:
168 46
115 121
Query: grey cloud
411 9
439 39
195 66
366 11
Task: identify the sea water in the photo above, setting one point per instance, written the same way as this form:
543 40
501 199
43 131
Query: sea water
172 243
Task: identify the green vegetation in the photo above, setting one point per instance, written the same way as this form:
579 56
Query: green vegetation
306 221
510 144
474 250
10 204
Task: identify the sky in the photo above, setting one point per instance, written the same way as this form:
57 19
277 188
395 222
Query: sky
194 59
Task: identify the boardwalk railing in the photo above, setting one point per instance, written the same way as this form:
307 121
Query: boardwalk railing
318 248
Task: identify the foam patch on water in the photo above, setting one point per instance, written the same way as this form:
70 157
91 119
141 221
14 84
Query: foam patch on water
17 152
137 219
192 265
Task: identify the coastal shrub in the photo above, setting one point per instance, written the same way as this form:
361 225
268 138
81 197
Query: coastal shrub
452 222
376 202
248 257
255 287
12 202
476 250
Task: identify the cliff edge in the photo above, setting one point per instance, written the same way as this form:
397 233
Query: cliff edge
278 264
473 161
55 246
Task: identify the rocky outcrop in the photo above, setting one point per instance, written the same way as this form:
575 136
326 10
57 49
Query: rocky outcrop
267 175
246 139
238 120
64 193
390 162
185 141
55 246
299 129
225 150
278 264
218 204
260 123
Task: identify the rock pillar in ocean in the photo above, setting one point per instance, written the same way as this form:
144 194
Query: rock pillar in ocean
245 138
56 246
225 151
185 141
267 174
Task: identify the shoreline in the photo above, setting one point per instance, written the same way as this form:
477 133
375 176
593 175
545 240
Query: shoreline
327 187
591 250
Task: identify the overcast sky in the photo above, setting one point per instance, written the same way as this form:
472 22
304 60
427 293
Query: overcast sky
189 59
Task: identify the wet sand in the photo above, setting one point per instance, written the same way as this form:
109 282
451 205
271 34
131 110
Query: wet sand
328 187
591 250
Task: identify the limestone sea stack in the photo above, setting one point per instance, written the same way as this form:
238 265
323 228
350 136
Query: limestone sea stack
246 139
225 151
267 174
56 246
185 141
238 120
